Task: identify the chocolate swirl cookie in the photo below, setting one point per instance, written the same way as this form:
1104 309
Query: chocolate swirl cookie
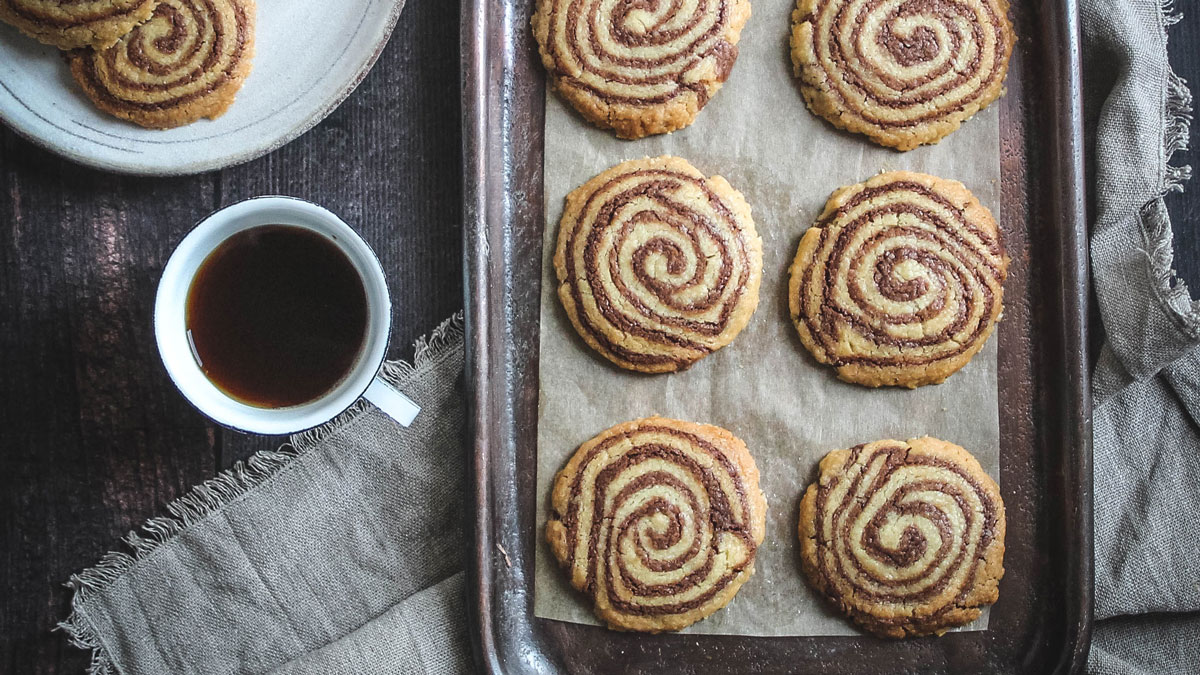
187 62
658 522
71 24
905 538
900 280
905 72
657 265
639 67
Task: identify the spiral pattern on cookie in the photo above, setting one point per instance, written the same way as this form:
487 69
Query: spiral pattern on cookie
69 24
906 537
614 54
905 72
185 63
658 521
658 265
900 281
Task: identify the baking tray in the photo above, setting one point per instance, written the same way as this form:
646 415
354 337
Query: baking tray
1042 623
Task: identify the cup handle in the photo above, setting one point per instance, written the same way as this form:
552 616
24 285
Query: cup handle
393 403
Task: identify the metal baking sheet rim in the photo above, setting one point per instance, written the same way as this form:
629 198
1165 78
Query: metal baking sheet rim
502 119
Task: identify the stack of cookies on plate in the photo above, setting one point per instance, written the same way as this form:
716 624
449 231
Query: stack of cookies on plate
898 283
156 63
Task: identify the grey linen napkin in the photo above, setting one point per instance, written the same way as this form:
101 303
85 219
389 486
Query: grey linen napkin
341 553
1147 380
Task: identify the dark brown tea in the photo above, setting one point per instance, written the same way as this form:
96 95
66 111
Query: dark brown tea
277 316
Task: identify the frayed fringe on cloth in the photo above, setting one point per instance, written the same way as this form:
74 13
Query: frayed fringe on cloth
1176 130
1172 292
221 490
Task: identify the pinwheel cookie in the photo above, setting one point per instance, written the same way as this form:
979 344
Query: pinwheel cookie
903 73
906 538
639 68
658 521
657 265
900 280
70 24
186 63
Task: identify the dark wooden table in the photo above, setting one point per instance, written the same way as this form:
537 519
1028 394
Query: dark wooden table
93 437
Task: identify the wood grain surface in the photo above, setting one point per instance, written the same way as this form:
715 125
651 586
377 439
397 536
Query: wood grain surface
94 439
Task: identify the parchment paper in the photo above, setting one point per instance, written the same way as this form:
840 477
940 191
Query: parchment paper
764 387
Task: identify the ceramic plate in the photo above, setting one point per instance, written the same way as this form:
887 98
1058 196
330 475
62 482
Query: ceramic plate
310 54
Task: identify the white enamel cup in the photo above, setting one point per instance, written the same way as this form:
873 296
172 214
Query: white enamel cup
182 364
